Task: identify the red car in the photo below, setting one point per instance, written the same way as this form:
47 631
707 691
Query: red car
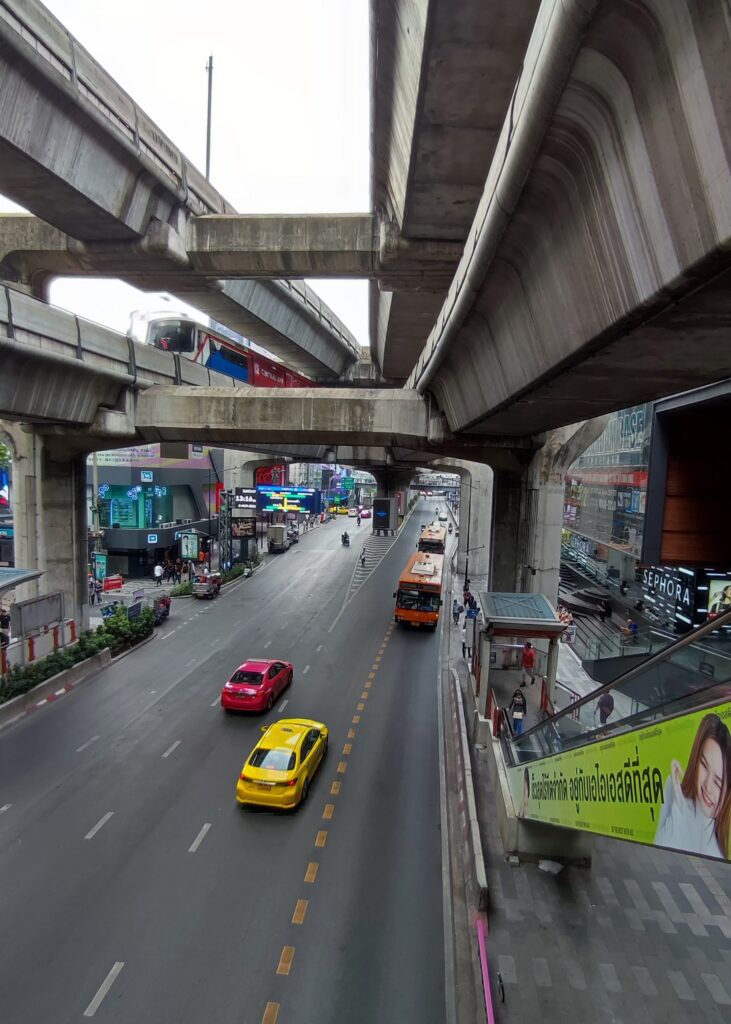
365 513
255 685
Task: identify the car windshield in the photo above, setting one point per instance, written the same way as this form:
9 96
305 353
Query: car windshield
275 760
241 676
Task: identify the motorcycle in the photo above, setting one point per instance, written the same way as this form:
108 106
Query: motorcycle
345 540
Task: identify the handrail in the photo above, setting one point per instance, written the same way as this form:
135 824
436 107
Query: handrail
684 641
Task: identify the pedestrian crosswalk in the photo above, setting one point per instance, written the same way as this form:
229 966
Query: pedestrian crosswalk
370 556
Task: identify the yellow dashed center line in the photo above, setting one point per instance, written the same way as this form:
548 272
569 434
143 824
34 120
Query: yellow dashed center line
371 675
329 808
341 767
364 695
381 651
347 749
377 658
285 960
321 837
271 1012
335 789
351 734
356 719
361 707
311 873
299 912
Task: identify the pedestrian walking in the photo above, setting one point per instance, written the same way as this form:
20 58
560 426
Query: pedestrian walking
92 590
4 627
518 709
99 590
606 707
466 642
157 573
362 559
528 663
455 611
604 610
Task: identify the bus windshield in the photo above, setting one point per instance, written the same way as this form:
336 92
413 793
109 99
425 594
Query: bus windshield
412 599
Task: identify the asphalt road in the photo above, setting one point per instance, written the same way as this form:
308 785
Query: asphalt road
134 889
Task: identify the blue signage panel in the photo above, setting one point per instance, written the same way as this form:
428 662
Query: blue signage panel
270 498
152 538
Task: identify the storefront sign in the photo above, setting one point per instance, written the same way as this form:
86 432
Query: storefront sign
667 785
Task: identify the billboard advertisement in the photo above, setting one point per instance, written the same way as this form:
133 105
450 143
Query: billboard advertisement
244 499
719 596
385 514
270 475
4 488
287 499
667 785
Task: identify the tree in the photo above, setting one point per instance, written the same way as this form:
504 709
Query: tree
5 455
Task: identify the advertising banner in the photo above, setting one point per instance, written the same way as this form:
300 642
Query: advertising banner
719 597
189 546
244 498
667 785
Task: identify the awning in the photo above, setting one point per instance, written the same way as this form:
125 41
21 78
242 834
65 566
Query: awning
12 578
528 615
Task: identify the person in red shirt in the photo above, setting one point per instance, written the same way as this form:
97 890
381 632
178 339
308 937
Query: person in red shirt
528 663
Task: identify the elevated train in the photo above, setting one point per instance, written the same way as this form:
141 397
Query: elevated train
218 349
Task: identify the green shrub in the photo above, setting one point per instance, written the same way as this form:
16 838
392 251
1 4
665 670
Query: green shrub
182 590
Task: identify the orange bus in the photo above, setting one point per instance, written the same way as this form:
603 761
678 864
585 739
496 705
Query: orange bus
419 594
433 538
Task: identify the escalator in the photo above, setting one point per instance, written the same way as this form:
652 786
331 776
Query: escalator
646 757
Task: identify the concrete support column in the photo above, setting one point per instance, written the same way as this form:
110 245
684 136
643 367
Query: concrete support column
50 519
529 513
475 521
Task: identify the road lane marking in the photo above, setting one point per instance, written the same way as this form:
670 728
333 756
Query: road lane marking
351 734
305 670
199 838
371 675
285 960
216 701
268 644
87 744
319 648
368 685
361 707
100 824
103 989
356 719
4 808
381 651
271 1012
299 912
376 660
364 695
169 751
328 812
311 873
335 789
342 766
347 748
164 636
321 837
283 705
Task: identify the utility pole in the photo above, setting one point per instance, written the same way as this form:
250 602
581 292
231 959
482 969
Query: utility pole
209 70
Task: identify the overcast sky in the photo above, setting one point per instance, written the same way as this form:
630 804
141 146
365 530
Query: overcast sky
290 111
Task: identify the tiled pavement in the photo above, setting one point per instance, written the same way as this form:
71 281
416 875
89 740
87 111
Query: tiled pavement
642 937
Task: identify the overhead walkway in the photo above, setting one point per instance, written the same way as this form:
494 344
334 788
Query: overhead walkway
656 769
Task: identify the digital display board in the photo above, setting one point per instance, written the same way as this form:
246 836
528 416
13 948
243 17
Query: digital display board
244 498
287 499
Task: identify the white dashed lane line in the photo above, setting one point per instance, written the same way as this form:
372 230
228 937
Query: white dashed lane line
283 705
318 648
199 838
305 670
4 808
170 749
268 644
215 702
87 744
103 989
100 824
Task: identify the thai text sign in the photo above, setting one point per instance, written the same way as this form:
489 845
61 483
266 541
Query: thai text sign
668 785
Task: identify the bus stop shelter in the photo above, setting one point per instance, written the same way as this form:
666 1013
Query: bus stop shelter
516 618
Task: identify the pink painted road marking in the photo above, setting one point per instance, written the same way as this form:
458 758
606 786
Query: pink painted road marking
481 942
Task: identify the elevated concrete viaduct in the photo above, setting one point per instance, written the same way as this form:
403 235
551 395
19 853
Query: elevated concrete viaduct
78 152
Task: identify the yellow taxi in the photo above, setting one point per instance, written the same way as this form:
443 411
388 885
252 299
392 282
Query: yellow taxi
280 768
342 510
